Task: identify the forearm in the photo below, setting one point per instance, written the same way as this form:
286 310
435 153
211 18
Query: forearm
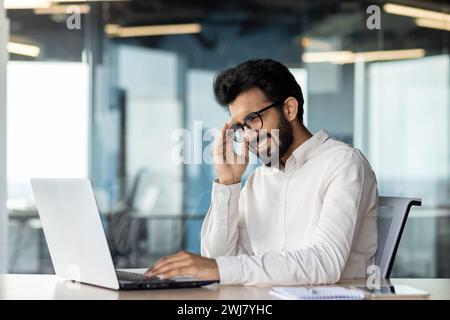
315 265
219 235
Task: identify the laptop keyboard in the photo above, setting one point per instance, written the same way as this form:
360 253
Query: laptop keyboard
138 277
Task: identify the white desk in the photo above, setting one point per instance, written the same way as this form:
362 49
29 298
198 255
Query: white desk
50 287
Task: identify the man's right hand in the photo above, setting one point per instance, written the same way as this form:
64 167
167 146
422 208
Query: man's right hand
229 166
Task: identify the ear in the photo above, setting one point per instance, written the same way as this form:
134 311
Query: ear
290 108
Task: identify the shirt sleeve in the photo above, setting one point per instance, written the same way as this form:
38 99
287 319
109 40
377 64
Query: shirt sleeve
224 231
324 260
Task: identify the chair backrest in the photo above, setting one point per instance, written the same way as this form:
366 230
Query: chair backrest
392 215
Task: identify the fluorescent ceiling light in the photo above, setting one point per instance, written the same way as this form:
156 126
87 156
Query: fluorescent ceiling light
433 24
26 4
112 29
329 56
389 55
63 9
342 57
415 12
155 30
23 49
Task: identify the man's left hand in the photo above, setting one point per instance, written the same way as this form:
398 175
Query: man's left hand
184 263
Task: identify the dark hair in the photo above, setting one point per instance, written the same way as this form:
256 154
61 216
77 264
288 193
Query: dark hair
270 76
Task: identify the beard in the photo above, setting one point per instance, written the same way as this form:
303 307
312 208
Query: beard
276 145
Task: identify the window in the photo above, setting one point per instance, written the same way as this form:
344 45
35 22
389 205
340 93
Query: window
47 123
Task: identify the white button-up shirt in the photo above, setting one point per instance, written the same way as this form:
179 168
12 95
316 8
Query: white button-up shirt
312 223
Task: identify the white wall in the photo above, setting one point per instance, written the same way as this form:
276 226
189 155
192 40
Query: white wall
3 213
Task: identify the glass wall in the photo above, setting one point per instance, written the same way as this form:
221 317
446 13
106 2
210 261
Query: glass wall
137 115
408 148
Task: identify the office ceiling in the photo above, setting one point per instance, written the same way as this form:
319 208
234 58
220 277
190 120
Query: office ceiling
302 12
321 18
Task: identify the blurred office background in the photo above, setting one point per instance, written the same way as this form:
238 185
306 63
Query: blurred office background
89 94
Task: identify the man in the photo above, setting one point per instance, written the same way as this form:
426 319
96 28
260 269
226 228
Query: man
306 216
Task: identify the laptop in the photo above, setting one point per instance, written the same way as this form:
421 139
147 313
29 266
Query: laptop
77 243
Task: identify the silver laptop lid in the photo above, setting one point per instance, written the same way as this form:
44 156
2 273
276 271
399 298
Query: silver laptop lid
74 231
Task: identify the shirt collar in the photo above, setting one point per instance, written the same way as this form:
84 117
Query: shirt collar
302 153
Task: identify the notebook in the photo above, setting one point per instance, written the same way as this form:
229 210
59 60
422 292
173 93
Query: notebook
317 293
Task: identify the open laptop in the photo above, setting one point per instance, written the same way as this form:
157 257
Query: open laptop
77 242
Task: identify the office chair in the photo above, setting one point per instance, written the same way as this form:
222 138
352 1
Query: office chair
392 215
125 233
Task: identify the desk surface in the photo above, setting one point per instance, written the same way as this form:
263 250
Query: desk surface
51 287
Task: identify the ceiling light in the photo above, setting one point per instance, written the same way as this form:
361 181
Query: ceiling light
112 29
433 24
383 55
23 49
415 12
329 56
154 30
342 57
63 9
26 4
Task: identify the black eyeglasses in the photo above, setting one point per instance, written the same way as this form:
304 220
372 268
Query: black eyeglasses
252 121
